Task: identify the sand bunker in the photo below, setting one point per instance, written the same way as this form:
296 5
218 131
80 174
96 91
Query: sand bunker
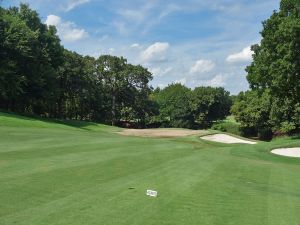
290 152
225 138
161 132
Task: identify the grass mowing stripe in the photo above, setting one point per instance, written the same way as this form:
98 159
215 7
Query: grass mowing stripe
83 173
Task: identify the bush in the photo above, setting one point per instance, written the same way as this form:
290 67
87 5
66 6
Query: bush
229 127
265 133
248 132
288 127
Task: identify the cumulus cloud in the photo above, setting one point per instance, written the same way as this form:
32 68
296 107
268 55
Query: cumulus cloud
74 3
67 30
158 71
244 56
202 66
217 81
155 52
53 20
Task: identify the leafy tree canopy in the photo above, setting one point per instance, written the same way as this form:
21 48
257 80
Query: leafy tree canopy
274 74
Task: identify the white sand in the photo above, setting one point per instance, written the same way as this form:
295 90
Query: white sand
225 138
291 152
160 132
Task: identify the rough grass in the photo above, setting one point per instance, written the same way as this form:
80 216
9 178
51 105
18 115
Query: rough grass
59 172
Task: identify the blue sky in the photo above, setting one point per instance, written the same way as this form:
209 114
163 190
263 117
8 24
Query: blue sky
194 42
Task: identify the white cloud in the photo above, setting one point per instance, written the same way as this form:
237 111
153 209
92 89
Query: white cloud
155 52
141 22
135 45
53 20
202 66
70 33
180 81
244 56
74 3
217 81
158 71
67 30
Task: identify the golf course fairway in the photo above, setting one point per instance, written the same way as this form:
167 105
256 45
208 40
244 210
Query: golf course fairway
81 173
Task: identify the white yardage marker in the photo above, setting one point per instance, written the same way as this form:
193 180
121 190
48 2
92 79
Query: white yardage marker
151 193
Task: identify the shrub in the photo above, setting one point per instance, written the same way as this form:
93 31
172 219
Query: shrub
229 127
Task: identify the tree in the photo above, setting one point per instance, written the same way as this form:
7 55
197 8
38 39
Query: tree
210 104
110 70
275 70
39 76
74 87
174 106
138 91
16 39
30 55
252 109
126 89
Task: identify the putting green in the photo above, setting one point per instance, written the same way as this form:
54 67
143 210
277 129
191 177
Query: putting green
84 173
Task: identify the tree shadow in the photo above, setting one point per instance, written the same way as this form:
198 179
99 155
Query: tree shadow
71 123
296 137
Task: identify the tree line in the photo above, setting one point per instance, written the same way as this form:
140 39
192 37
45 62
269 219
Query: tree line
272 105
39 76
180 106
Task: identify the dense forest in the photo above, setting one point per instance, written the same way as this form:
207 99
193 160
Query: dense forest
38 76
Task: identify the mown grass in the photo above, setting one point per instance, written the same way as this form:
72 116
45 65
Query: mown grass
60 172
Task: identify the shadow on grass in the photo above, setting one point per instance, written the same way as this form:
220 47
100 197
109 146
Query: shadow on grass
70 123
296 137
73 123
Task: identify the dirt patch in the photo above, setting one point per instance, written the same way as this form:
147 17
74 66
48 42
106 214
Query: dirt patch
290 152
161 132
227 139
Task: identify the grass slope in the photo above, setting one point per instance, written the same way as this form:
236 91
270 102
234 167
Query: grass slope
82 173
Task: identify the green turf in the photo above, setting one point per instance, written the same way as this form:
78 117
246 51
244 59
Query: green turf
82 173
